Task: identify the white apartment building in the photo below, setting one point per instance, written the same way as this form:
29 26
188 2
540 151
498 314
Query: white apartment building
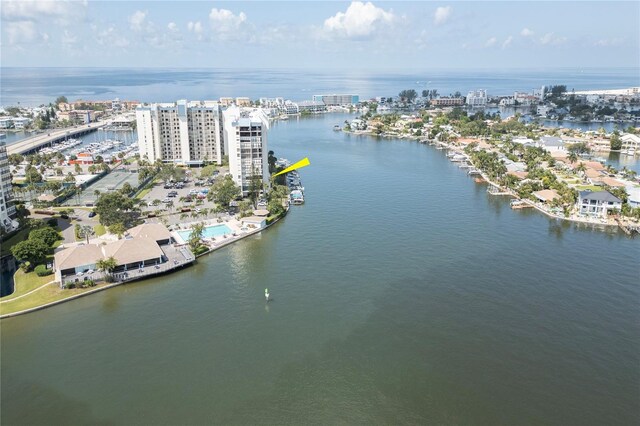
477 98
245 141
337 100
630 143
7 209
186 133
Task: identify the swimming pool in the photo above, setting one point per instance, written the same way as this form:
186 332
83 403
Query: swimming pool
208 232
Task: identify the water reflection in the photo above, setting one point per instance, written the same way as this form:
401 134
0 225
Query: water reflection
8 267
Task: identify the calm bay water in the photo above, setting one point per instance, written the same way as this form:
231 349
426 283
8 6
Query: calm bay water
403 293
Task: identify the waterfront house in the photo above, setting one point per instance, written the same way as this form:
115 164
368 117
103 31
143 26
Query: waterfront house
546 196
21 122
634 196
592 175
630 143
598 204
130 254
6 123
613 183
551 143
154 231
254 221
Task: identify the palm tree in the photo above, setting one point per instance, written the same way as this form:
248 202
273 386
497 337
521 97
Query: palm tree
573 157
107 265
581 168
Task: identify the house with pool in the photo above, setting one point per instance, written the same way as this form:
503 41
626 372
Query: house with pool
147 249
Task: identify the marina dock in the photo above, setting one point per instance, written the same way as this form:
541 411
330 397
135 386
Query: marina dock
34 143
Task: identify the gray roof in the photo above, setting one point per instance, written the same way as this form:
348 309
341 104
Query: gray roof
551 141
599 196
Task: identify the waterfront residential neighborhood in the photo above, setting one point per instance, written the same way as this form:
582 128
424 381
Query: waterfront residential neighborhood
198 166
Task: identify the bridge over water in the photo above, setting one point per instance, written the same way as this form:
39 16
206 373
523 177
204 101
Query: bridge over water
34 143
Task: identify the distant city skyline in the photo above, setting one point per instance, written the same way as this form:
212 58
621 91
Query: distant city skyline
357 35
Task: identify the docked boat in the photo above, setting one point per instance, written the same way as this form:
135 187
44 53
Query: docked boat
296 197
337 127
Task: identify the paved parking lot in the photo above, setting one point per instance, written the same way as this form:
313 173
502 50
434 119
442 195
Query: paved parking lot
159 193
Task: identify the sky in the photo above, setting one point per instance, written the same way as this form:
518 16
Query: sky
326 34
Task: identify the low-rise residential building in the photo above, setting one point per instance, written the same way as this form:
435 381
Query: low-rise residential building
312 106
598 204
630 143
447 102
337 99
6 123
546 195
80 116
634 196
358 124
21 122
143 247
551 143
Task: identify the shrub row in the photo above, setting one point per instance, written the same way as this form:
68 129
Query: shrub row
42 271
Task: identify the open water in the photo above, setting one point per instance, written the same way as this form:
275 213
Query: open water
403 294
35 86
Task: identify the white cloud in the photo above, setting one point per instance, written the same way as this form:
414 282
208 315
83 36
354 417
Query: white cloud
172 27
136 20
609 42
360 20
507 42
24 10
195 27
223 20
441 15
551 39
68 38
21 32
111 38
526 32
491 42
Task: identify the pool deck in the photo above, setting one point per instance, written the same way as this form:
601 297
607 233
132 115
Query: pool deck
236 227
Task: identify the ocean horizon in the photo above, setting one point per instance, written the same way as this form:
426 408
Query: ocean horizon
31 86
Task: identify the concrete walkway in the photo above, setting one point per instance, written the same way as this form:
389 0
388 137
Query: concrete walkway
26 294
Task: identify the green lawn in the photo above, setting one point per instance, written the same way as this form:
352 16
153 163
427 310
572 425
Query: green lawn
25 282
48 294
20 236
99 230
143 193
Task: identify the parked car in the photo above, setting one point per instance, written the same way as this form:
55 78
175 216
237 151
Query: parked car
92 214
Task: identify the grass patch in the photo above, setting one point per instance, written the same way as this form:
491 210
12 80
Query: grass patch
143 193
20 236
25 282
48 294
99 230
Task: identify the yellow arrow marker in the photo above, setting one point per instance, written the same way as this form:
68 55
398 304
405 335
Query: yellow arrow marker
300 164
